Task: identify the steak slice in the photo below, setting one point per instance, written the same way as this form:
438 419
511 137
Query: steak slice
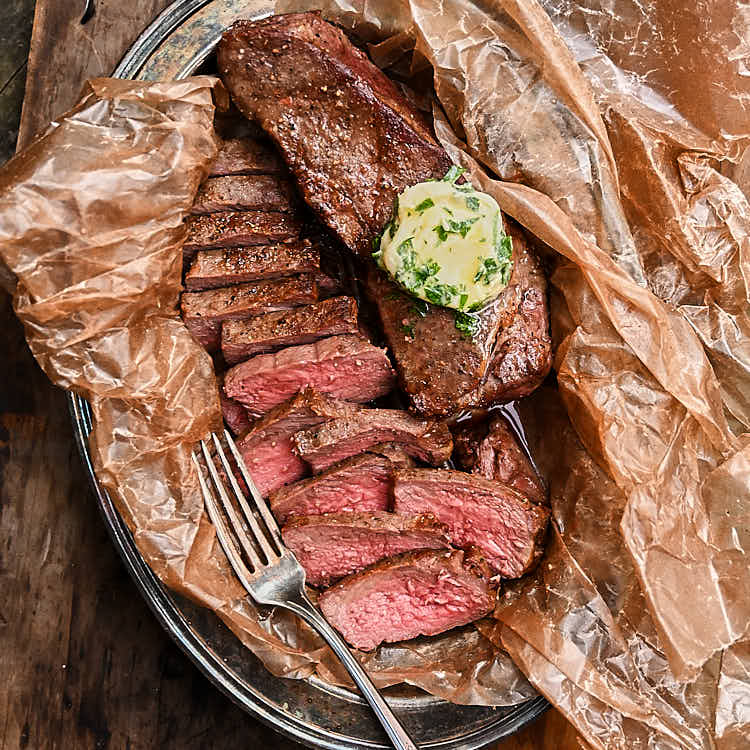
491 450
346 367
244 193
235 228
501 522
443 370
235 415
425 439
359 483
241 339
417 593
217 268
203 312
335 545
267 447
246 156
348 134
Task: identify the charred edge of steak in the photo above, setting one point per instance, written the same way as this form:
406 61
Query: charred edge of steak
303 325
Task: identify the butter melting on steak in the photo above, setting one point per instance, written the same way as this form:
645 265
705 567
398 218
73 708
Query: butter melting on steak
416 593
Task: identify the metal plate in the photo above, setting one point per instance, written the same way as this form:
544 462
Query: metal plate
309 711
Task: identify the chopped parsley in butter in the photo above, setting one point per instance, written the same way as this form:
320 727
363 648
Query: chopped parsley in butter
445 244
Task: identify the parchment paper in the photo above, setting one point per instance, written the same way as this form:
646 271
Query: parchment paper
618 135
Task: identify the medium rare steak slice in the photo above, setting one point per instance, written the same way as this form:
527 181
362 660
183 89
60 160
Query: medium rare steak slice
346 367
244 193
203 312
490 448
235 415
479 512
235 228
359 483
443 370
267 447
335 545
350 137
417 593
246 156
425 439
241 339
217 268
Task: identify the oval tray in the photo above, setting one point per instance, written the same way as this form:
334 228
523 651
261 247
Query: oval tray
308 711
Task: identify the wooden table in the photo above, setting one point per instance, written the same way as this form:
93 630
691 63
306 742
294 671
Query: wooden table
83 662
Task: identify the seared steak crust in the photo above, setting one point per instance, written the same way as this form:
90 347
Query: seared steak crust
246 156
244 193
349 136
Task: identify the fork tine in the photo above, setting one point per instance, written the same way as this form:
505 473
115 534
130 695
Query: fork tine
222 532
235 522
260 537
260 503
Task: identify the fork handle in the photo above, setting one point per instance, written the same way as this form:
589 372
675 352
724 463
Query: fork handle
305 609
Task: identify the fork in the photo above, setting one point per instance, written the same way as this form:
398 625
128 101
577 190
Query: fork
274 576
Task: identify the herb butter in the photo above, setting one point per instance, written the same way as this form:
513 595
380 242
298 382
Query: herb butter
445 244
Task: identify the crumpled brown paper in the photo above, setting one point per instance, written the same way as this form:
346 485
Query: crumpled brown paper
619 135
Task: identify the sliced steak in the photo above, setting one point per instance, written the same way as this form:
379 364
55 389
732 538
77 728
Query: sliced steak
490 448
416 593
501 522
360 483
246 156
335 545
348 134
267 447
235 415
426 439
443 370
203 312
216 268
241 339
244 193
346 367
238 228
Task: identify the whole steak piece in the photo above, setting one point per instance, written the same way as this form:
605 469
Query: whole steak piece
349 136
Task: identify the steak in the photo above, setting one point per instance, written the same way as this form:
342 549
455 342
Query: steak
267 447
443 370
246 156
244 193
203 312
241 339
335 545
490 449
235 415
501 522
426 439
417 593
346 367
217 268
350 137
235 228
359 483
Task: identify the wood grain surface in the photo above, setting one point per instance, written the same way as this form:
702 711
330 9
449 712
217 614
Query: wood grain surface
83 662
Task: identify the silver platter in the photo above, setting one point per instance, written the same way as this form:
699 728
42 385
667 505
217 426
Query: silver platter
309 711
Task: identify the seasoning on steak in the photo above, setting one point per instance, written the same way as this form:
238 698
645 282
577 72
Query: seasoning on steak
246 156
426 439
217 268
416 593
346 367
359 483
348 134
490 448
267 448
244 193
238 228
335 545
241 339
501 522
235 415
203 312
443 370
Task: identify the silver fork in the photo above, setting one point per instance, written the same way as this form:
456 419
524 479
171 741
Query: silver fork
274 576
